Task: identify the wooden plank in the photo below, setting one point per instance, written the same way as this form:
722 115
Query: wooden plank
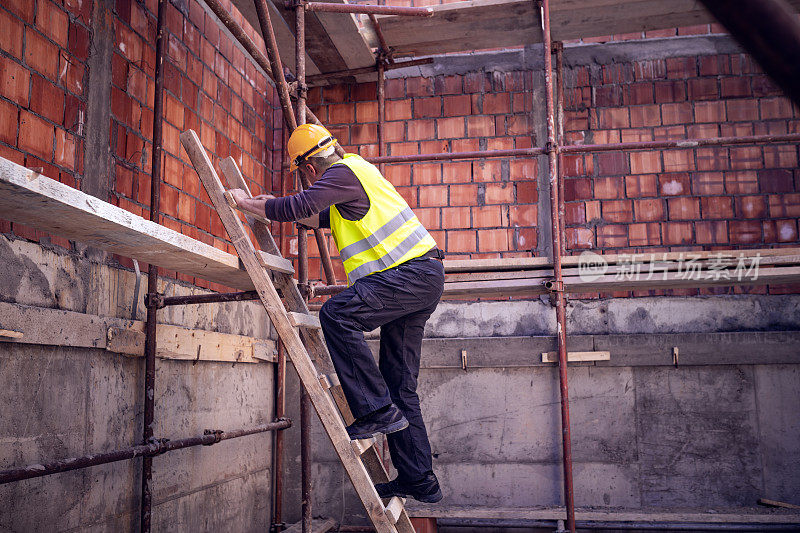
362 445
31 198
552 357
274 262
483 24
9 334
54 327
559 513
304 320
343 31
775 503
295 349
394 508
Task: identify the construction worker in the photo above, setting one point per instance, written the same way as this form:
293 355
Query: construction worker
396 279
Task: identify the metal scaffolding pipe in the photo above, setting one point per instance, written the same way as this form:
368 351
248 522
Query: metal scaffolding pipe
561 309
517 523
770 31
384 51
313 80
190 299
152 275
152 448
365 9
267 31
381 90
558 50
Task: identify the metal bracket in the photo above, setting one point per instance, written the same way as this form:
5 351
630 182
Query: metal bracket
157 442
306 290
550 147
154 299
554 287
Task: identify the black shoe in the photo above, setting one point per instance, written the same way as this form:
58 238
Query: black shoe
386 420
425 490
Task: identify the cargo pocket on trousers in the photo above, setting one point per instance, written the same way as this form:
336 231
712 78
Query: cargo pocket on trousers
367 315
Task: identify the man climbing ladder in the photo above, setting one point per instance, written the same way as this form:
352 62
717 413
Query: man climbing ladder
396 279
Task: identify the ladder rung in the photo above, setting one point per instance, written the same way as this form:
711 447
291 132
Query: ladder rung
362 445
274 262
394 508
304 320
329 380
325 381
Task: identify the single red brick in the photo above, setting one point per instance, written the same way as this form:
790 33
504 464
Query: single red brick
365 91
641 186
22 8
449 128
398 110
456 105
496 104
575 213
427 107
708 183
341 113
677 233
579 238
678 160
410 148
646 115
480 126
53 22
703 89
527 192
749 207
367 112
650 70
681 68
429 217
609 187
486 170
736 87
494 240
456 172
395 88
461 241
638 94
710 112
683 208
393 131
648 210
169 200
421 130
644 234
677 113
35 136
741 110
499 193
784 205
9 122
612 163
780 231
612 236
608 96
617 211
11 36
419 87
741 182
456 218
474 82
670 91
776 181
576 120
745 231
577 189
780 156
462 195
764 86
718 207
427 174
714 65
491 216
364 133
711 232
676 184
14 81
448 84
773 108
746 157
433 196
645 162
65 149
713 158
525 239
610 118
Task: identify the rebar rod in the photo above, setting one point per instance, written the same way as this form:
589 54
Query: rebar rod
154 447
364 9
561 310
145 510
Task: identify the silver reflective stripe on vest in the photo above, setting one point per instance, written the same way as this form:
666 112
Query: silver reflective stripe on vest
391 257
371 241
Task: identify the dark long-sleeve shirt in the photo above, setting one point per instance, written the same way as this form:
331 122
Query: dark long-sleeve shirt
337 186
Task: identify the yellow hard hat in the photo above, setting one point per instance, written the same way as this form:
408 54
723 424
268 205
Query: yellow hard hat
305 141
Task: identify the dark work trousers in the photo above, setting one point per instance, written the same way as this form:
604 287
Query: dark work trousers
399 301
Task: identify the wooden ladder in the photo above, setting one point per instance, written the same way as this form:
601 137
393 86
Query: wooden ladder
302 337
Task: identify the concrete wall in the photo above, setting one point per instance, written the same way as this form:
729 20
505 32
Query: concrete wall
59 402
718 431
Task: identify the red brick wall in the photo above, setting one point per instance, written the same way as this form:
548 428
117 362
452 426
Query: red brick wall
480 208
209 87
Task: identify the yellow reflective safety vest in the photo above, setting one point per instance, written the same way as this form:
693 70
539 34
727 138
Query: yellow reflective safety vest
388 235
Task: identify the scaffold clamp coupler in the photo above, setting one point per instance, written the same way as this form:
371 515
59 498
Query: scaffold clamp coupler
154 299
217 435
